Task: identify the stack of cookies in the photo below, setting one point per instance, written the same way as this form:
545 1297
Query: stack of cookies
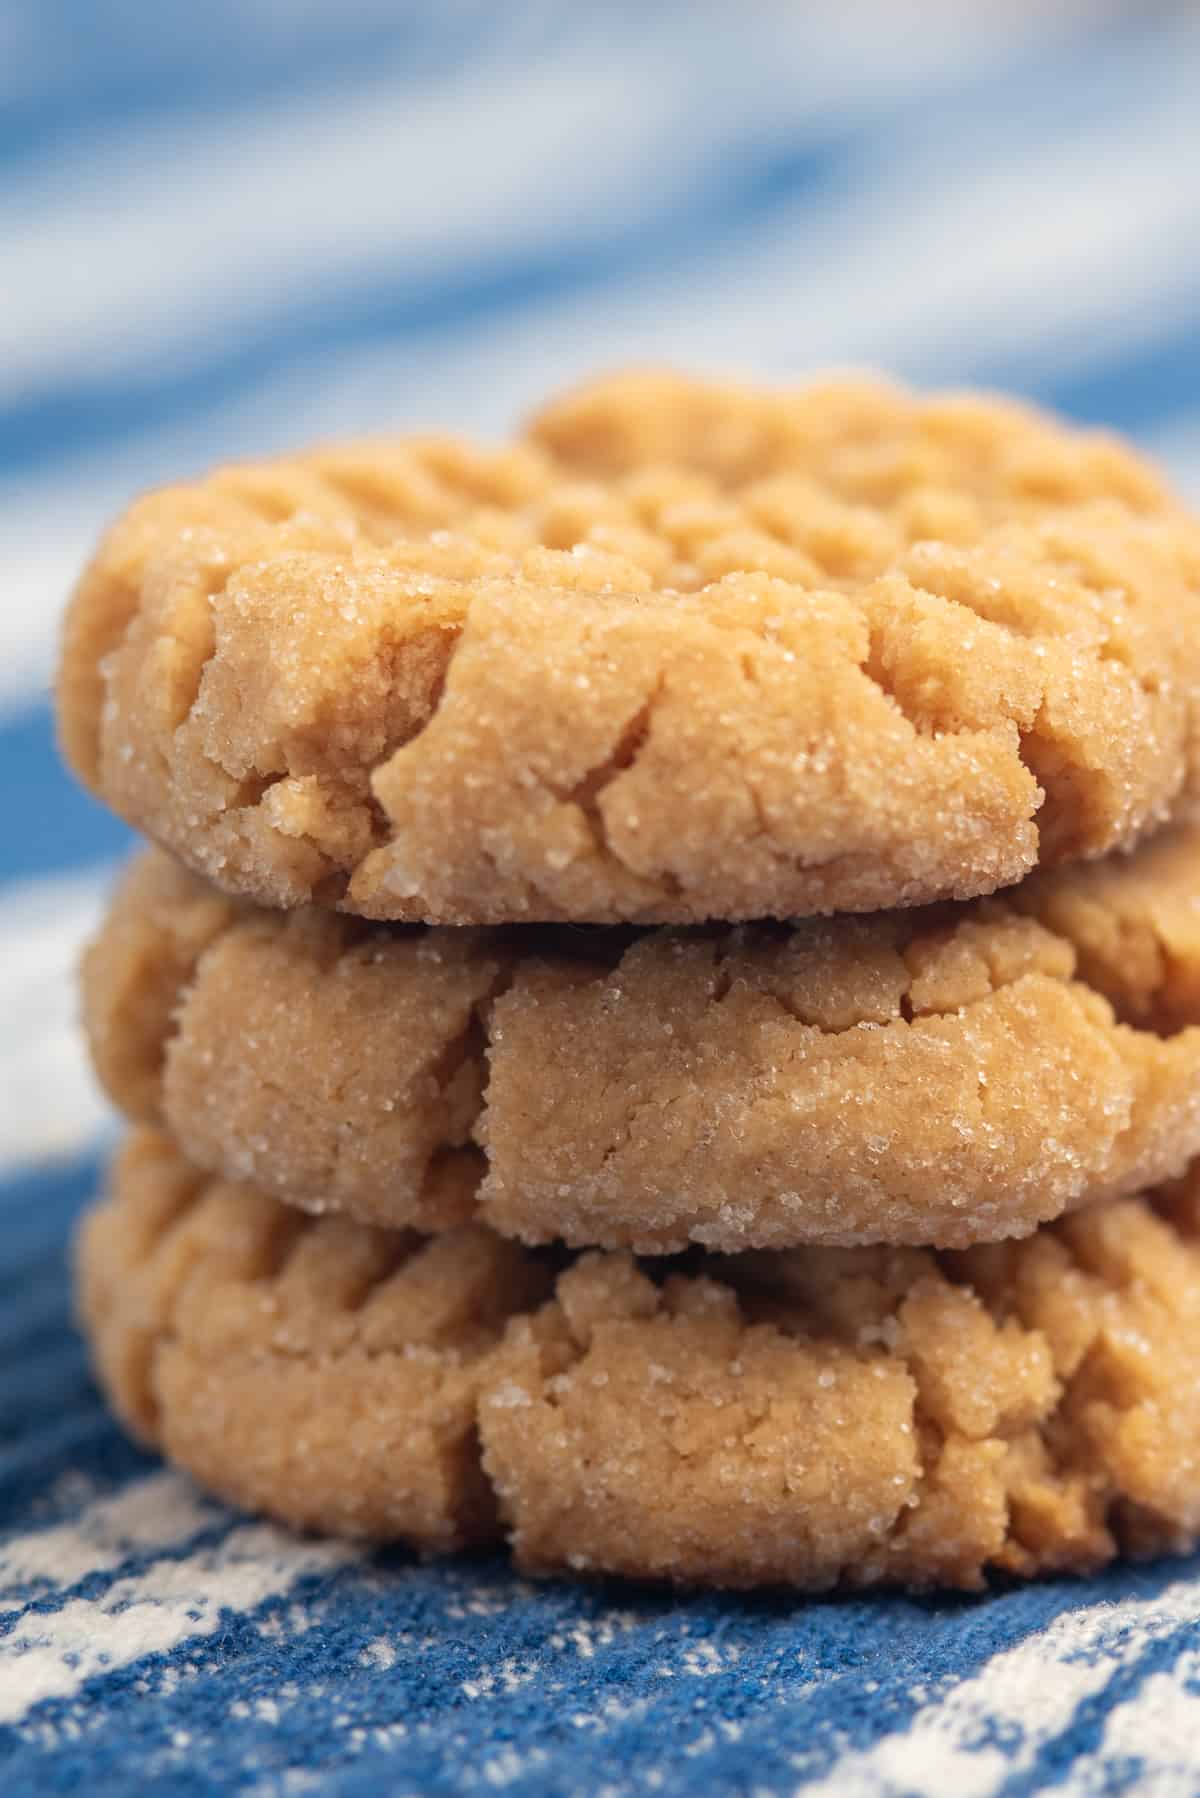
663 1018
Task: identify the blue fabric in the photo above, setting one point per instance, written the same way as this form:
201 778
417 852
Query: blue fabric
226 228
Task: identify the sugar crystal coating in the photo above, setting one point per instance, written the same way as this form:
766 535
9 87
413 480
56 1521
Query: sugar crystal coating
947 1076
863 1416
685 653
817 1418
314 1368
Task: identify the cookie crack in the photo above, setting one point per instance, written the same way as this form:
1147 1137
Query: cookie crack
589 792
876 670
251 788
210 596
1040 1448
471 1046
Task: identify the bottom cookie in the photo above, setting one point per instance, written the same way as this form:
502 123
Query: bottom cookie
846 1416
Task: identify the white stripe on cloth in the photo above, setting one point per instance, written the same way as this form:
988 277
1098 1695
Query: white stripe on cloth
40 566
153 1611
906 40
1156 1732
1178 447
50 1107
933 268
190 235
161 1511
991 1727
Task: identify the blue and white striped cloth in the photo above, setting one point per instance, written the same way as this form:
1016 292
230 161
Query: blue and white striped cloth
227 227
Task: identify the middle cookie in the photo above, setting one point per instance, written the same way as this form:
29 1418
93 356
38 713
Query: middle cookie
945 1076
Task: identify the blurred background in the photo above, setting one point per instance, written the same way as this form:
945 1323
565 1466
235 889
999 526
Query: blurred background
228 227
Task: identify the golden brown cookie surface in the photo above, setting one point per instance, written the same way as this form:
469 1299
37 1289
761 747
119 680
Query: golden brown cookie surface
829 1416
313 1368
863 1415
333 1063
689 653
947 1076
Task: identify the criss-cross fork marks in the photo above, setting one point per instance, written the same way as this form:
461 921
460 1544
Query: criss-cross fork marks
426 682
859 1415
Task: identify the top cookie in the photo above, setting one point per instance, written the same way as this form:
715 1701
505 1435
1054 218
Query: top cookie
685 653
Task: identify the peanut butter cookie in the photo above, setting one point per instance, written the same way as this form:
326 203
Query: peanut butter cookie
946 1075
831 1416
313 1368
685 653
